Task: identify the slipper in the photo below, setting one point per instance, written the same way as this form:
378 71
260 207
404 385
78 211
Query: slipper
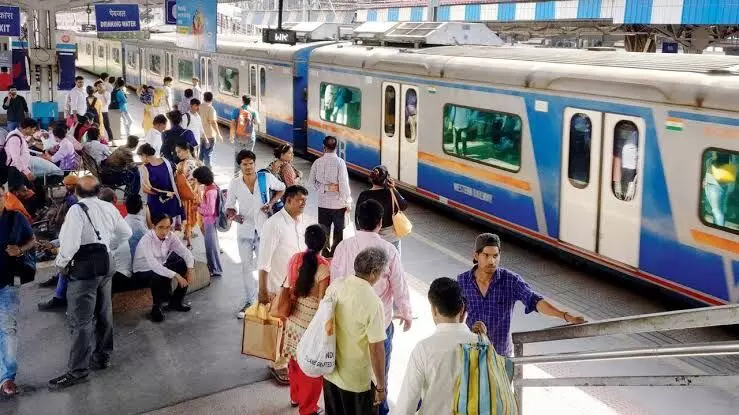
281 378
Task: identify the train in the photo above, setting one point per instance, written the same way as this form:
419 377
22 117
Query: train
626 160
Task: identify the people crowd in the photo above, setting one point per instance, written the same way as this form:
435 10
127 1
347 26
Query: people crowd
170 197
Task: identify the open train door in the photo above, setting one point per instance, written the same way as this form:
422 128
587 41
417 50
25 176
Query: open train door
390 145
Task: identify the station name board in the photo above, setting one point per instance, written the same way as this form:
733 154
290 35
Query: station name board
281 36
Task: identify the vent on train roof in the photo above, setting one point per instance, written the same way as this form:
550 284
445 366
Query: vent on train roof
420 34
655 61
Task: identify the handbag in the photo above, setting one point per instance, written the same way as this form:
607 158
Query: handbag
262 335
183 187
91 260
401 224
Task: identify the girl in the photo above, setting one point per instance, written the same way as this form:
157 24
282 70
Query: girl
307 280
209 213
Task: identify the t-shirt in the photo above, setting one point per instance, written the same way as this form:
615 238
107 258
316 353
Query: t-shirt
195 125
208 115
359 321
19 234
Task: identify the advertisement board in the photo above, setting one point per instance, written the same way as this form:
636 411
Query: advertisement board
197 24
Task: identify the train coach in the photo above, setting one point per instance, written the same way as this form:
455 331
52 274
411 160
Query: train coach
626 160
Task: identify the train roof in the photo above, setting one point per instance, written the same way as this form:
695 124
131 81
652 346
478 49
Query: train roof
691 80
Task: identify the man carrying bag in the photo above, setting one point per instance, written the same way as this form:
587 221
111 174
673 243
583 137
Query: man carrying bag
90 228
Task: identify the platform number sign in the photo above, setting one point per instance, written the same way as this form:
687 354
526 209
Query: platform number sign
10 21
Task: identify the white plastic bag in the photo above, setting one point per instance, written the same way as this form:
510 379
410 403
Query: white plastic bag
317 347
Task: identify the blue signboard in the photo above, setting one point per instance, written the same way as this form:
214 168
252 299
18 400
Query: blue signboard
10 21
170 12
117 17
197 24
669 47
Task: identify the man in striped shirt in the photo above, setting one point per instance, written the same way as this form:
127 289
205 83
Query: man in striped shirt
329 179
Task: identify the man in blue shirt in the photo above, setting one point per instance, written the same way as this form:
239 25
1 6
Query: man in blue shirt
492 291
171 137
16 238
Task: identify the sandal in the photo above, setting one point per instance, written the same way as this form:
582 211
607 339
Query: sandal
281 378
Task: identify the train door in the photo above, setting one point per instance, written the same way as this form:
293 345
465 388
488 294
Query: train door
399 146
168 64
601 183
205 73
256 93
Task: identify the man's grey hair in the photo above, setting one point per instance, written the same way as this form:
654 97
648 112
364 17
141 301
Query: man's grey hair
370 261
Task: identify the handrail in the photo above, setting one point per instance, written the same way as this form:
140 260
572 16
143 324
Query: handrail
646 323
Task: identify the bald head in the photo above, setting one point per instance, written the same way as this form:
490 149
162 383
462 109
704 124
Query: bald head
88 186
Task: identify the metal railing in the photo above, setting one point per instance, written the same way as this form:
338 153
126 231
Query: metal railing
675 320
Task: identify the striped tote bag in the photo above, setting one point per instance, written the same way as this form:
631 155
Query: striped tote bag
483 385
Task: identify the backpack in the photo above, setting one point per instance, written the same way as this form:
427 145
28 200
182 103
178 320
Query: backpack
223 224
92 112
267 196
244 123
4 159
186 114
483 384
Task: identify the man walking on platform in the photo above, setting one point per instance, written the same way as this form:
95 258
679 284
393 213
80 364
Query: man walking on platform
329 179
90 228
492 291
244 193
243 133
209 118
78 97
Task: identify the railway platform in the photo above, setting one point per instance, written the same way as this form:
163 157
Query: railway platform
191 364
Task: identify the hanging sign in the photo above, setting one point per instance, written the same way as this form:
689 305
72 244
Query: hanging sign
10 21
117 18
170 12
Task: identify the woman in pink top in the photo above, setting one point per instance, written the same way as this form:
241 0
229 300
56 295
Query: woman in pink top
209 212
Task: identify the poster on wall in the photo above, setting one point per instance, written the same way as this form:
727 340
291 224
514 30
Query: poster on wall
197 22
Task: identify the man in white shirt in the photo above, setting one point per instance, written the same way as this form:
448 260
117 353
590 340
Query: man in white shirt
104 97
78 97
282 237
434 364
168 96
154 136
90 228
197 91
329 179
193 120
250 213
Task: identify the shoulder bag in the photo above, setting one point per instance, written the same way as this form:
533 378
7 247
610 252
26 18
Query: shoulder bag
91 260
401 224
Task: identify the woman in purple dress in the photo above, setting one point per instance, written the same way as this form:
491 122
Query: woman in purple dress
157 181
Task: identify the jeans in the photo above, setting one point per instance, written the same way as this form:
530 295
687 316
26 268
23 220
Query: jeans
9 307
44 168
12 125
249 252
384 409
90 314
127 122
61 287
718 196
212 250
106 125
239 145
205 153
336 217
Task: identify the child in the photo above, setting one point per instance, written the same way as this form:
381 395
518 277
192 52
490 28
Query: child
209 212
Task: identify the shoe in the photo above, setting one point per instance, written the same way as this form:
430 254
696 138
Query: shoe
99 364
8 389
65 381
50 283
242 312
182 307
52 305
156 314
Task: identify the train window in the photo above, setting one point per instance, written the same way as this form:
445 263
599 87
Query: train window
185 71
488 137
131 59
101 52
341 105
390 111
116 55
625 160
719 200
411 115
228 80
262 81
253 81
155 64
581 132
88 49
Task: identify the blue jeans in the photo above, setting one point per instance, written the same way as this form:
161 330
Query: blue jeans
212 250
61 288
249 252
718 197
9 307
12 125
205 152
384 409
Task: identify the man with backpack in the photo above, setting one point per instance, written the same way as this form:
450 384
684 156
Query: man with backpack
245 205
243 133
173 135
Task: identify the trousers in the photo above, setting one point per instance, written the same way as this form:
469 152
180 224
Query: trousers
9 308
340 402
90 315
106 125
384 409
304 390
212 249
337 218
249 252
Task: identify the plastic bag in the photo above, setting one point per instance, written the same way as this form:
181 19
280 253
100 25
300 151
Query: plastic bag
316 352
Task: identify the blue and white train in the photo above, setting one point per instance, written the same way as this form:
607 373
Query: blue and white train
626 160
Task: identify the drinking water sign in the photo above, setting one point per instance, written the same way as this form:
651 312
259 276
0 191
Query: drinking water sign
117 17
